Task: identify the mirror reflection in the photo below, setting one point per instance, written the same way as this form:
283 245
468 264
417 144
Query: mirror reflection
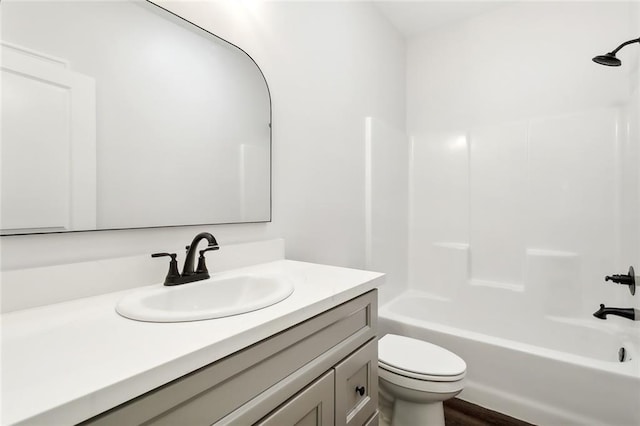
118 114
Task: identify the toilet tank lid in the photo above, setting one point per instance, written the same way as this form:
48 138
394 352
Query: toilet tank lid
417 356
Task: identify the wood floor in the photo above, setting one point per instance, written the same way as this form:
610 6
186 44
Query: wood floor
461 413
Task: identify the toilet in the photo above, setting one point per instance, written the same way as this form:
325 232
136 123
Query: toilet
415 377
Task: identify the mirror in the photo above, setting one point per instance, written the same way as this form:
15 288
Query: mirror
119 114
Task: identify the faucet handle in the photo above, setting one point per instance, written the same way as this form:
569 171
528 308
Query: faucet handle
202 265
173 275
172 255
629 279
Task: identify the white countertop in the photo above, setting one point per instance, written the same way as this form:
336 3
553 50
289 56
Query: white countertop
67 362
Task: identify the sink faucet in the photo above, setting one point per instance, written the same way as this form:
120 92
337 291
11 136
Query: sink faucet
629 313
188 268
190 275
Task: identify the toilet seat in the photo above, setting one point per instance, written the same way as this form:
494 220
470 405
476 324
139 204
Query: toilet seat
426 386
419 360
418 376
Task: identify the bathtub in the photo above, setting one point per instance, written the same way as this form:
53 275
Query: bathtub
554 371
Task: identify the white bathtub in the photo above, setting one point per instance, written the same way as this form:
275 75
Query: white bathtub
556 371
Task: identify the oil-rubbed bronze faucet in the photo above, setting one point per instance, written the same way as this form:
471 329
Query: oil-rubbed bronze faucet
190 275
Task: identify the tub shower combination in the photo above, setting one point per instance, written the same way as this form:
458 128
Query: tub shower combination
539 349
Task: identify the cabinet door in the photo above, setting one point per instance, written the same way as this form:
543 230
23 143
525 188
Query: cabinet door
357 386
313 406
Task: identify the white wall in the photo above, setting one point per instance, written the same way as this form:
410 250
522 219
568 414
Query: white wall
328 66
523 170
523 60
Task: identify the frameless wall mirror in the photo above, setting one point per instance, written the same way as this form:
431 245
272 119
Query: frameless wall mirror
118 114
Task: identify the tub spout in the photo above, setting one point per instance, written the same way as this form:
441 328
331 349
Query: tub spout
629 313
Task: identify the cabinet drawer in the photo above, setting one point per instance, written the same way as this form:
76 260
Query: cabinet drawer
357 386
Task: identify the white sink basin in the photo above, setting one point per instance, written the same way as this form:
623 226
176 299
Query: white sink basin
216 297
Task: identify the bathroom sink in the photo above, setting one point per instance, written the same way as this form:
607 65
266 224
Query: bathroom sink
215 297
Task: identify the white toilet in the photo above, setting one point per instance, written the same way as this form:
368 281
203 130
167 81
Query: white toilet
415 377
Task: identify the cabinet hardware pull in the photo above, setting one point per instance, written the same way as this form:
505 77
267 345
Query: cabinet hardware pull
360 390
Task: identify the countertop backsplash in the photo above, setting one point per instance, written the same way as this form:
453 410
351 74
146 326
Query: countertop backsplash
28 288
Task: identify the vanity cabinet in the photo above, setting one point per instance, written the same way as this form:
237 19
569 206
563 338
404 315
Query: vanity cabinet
322 371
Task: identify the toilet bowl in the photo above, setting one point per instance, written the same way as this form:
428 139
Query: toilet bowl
415 377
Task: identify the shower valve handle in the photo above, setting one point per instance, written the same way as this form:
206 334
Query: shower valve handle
628 279
619 279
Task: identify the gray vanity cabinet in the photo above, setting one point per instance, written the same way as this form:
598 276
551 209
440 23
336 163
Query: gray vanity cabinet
322 371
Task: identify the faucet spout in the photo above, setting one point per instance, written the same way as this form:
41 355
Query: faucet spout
189 262
629 313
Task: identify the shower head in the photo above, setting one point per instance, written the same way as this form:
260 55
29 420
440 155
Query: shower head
609 59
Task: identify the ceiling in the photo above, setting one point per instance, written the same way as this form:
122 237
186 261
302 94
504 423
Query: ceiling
412 18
